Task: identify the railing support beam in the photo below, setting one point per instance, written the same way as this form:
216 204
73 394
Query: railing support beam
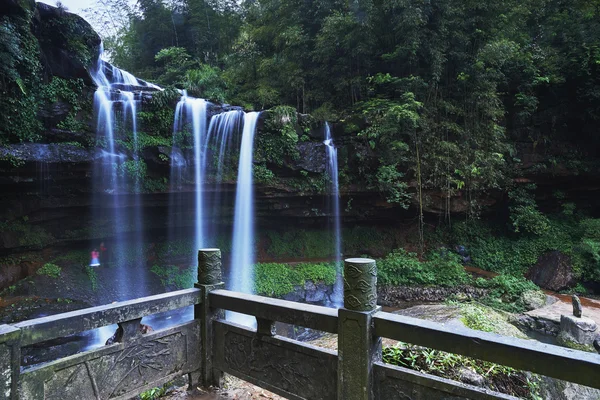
209 279
358 347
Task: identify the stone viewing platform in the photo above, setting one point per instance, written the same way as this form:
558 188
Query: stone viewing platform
207 347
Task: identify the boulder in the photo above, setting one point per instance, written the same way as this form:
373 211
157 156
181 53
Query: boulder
555 389
315 293
470 377
553 271
577 332
56 30
533 299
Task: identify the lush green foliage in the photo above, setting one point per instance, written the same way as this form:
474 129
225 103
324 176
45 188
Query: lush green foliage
25 84
275 279
49 269
403 268
496 249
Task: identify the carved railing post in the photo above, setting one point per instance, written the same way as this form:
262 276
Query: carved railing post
10 362
358 348
209 278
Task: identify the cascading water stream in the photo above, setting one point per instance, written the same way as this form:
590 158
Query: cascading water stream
116 212
223 137
332 170
242 261
190 112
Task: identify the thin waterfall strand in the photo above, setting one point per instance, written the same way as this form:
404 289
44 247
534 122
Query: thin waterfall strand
332 170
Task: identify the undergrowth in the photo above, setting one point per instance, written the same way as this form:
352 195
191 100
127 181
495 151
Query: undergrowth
276 279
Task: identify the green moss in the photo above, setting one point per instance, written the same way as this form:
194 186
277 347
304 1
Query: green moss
276 279
567 342
482 318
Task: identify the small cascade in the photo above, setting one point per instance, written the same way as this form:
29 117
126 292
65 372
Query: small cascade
117 205
332 171
223 140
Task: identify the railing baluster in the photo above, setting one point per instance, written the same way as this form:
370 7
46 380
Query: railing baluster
358 348
209 279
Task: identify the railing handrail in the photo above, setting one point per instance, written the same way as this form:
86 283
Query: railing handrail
266 308
528 355
65 324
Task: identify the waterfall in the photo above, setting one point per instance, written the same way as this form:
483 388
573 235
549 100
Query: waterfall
115 210
242 260
332 171
223 137
198 111
190 111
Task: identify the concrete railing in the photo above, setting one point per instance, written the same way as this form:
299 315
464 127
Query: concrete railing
209 346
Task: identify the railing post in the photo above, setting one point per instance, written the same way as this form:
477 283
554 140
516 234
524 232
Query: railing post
209 278
358 348
10 362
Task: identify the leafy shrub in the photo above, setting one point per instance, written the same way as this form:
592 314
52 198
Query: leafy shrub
51 270
403 268
524 213
207 82
506 292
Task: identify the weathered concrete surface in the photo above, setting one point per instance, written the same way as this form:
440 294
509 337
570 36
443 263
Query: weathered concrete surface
233 389
552 312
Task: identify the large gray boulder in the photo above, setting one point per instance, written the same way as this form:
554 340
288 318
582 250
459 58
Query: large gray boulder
553 271
555 389
577 332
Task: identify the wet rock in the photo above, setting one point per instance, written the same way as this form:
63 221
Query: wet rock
577 309
542 326
47 153
297 295
576 332
60 57
313 157
553 271
315 293
533 299
555 389
468 376
391 295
